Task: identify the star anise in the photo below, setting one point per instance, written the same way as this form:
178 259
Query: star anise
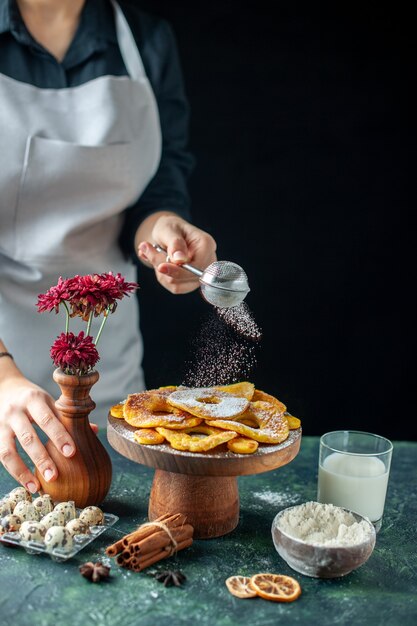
170 577
94 571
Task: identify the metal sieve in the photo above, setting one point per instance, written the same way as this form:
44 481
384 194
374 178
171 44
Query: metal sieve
223 284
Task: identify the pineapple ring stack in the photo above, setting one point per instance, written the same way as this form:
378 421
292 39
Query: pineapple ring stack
200 419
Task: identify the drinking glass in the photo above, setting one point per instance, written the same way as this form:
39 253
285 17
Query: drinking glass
353 472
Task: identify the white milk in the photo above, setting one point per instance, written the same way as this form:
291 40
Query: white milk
358 483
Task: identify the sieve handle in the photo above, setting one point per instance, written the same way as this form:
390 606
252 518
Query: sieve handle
186 266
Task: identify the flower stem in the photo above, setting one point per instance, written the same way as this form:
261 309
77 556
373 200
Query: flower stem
67 317
106 315
90 319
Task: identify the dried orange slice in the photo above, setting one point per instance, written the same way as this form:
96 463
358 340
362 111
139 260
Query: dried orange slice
275 587
240 587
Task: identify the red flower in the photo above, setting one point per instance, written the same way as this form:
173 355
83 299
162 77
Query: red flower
54 296
82 296
97 293
74 354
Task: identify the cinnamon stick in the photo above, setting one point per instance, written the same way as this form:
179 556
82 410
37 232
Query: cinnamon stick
162 554
150 543
137 534
170 521
161 539
115 548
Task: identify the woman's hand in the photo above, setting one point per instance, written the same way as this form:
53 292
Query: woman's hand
183 242
23 404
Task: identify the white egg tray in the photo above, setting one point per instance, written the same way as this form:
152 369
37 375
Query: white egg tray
61 554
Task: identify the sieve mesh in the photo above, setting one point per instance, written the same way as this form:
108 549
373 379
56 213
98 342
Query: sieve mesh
223 284
226 270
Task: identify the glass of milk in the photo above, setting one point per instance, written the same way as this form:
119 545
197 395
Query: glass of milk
353 472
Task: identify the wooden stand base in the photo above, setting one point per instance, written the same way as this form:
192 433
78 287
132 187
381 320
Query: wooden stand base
201 486
211 503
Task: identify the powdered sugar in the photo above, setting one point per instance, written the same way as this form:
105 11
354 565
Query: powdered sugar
205 402
222 354
241 320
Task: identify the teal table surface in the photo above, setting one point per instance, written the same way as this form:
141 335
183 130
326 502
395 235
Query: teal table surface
36 591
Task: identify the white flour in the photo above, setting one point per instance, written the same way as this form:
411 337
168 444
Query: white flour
324 525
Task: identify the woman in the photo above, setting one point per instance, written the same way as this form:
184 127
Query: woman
93 168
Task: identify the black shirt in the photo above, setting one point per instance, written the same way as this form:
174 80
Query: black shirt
94 52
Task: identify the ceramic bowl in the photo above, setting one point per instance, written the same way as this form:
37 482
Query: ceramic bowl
321 561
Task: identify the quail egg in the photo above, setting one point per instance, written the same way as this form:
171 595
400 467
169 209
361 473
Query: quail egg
68 508
92 516
19 494
10 523
6 507
43 504
32 531
58 537
77 527
54 518
26 511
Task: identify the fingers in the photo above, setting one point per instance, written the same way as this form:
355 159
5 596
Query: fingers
169 275
26 406
41 408
32 445
149 254
183 243
12 462
94 428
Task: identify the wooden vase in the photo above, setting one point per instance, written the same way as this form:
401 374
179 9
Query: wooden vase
85 477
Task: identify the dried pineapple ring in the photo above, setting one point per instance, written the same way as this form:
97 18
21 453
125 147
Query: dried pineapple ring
273 426
150 409
144 402
117 410
293 422
242 445
262 396
179 420
148 436
182 440
208 403
242 390
164 391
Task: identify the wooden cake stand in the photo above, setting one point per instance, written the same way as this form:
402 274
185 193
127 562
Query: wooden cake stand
202 486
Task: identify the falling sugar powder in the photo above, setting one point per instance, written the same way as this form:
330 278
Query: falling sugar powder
241 320
224 352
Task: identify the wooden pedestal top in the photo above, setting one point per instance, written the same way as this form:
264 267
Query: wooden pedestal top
219 463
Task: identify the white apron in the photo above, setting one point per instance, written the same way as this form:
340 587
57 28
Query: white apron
71 160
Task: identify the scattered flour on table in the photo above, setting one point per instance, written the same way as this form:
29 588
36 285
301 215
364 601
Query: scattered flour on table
323 524
277 499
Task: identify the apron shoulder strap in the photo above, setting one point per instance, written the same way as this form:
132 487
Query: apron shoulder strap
127 44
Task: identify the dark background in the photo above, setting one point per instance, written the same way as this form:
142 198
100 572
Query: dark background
301 129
